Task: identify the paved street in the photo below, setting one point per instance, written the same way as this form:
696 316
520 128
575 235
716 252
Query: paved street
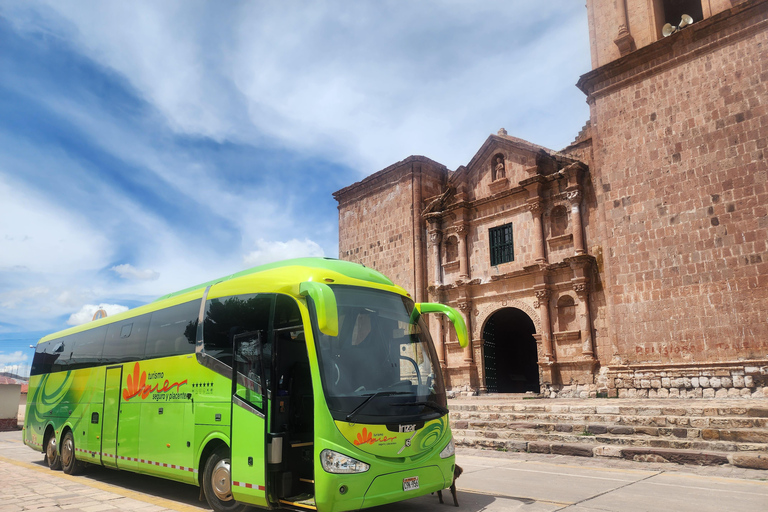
492 481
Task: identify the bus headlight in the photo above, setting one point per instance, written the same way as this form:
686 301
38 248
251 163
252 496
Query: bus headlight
449 450
335 462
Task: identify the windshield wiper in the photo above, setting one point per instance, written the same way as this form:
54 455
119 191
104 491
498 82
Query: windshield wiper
371 397
430 404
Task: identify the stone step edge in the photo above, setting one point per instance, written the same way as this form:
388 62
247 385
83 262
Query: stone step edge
747 460
726 434
465 437
550 414
607 419
693 412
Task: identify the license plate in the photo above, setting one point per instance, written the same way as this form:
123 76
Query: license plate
411 483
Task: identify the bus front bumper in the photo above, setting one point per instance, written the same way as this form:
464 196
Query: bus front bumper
392 487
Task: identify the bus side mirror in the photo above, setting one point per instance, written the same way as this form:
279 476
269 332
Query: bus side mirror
325 306
453 315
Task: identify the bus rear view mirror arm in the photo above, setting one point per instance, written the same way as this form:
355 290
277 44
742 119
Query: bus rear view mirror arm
325 306
454 316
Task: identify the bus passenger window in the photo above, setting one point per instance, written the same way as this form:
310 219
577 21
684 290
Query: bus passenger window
172 331
123 343
45 357
89 348
229 316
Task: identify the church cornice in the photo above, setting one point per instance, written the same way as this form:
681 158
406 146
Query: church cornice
389 174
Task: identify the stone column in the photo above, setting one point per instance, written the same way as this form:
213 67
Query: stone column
581 287
434 237
574 197
436 326
624 40
461 231
542 303
465 308
535 206
418 239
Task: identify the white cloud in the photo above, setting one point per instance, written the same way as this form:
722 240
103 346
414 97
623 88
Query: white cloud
338 78
86 312
268 252
39 236
14 298
17 357
127 271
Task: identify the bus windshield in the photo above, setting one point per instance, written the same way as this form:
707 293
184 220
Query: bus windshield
381 368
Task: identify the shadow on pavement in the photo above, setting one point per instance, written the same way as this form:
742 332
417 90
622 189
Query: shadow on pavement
145 484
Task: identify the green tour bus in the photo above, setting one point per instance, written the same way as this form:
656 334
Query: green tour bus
309 384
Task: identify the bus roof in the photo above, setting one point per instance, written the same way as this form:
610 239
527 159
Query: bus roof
313 265
347 268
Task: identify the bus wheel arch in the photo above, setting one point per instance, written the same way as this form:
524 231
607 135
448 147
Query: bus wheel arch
52 455
209 445
67 451
216 480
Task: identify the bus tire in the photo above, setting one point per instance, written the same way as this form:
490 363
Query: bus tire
69 462
52 456
217 483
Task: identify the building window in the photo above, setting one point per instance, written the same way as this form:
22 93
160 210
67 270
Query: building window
502 248
671 11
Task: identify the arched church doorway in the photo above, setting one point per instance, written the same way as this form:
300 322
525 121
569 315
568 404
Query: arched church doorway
510 358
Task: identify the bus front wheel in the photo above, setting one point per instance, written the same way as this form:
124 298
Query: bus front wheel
52 453
69 462
217 483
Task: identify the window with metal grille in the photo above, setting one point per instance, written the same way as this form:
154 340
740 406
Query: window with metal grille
502 248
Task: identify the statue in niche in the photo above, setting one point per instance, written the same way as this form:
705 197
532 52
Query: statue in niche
498 168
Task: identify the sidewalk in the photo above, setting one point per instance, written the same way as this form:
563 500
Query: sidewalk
27 486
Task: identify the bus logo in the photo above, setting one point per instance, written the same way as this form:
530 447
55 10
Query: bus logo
136 384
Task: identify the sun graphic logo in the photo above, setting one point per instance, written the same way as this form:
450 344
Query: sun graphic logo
364 437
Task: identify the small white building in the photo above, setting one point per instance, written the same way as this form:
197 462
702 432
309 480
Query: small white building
10 396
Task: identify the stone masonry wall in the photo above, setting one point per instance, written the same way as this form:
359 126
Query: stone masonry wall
682 173
377 231
376 226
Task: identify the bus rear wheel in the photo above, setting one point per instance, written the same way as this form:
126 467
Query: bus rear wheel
52 456
69 462
217 483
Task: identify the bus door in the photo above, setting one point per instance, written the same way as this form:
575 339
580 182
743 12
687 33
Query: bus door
111 415
248 466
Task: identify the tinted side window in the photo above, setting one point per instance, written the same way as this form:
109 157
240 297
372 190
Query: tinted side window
173 330
88 348
126 340
61 353
43 360
229 316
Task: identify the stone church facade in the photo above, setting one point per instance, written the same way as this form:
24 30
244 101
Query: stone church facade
633 262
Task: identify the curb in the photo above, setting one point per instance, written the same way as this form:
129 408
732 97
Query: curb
748 460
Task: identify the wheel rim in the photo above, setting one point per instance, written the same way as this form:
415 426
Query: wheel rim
67 451
220 480
51 449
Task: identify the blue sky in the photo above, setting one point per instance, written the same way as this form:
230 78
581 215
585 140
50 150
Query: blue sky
149 146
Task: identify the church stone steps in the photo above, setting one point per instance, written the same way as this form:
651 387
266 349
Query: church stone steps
499 420
518 439
684 431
